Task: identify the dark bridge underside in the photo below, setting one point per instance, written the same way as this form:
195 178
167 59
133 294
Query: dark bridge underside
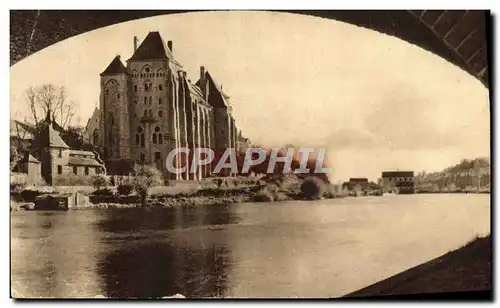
457 36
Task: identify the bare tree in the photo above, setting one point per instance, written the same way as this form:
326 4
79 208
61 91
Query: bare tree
52 99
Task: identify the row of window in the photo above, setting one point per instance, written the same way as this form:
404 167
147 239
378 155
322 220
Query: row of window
403 179
149 113
148 73
148 100
157 137
75 169
148 87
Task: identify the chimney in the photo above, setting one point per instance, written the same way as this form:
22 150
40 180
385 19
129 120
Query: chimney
135 43
202 73
169 45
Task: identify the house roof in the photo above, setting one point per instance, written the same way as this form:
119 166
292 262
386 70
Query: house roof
83 161
210 79
49 138
395 174
152 48
82 152
28 158
115 67
364 180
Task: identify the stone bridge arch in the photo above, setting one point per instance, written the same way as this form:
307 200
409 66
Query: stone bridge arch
457 36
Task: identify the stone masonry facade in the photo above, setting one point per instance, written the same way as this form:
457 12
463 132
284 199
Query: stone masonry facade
149 108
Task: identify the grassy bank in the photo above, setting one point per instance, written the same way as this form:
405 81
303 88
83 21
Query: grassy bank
465 269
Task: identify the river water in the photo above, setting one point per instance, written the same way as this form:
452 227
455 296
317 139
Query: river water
316 249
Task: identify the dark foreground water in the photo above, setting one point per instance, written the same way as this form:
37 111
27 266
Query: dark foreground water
295 249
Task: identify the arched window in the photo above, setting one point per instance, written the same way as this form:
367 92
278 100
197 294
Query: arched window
147 69
135 101
135 88
150 100
143 158
159 101
157 138
150 113
160 88
145 100
145 112
139 136
118 95
160 114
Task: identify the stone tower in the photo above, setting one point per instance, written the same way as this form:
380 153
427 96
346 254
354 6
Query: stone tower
115 115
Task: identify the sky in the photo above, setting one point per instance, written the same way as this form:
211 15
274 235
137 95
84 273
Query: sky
374 101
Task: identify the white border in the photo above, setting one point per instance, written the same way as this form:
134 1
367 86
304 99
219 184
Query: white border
176 5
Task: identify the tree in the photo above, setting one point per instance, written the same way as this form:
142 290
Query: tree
145 177
14 157
49 99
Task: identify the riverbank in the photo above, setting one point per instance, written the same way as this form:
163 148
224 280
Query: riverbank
216 191
463 270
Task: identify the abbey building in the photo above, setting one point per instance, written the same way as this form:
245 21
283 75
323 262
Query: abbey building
149 107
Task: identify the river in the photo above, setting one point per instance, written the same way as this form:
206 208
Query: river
322 249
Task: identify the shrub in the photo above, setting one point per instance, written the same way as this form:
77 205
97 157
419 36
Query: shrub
125 189
73 180
312 188
99 181
263 195
145 176
17 181
103 192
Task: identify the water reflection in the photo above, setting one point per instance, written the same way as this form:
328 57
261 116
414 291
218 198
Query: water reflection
162 261
160 269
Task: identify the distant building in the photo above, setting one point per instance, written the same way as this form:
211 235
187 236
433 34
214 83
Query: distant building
91 134
356 184
50 158
398 181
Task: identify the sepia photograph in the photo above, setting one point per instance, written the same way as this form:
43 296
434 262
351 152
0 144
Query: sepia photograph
250 154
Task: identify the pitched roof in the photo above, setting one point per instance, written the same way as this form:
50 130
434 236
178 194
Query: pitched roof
28 158
152 48
50 138
83 161
393 174
210 79
115 67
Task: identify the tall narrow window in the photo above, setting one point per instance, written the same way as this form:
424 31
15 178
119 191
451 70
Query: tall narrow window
137 139
135 88
159 101
160 87
60 153
154 139
150 100
157 156
59 169
86 170
160 114
142 140
145 100
160 138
